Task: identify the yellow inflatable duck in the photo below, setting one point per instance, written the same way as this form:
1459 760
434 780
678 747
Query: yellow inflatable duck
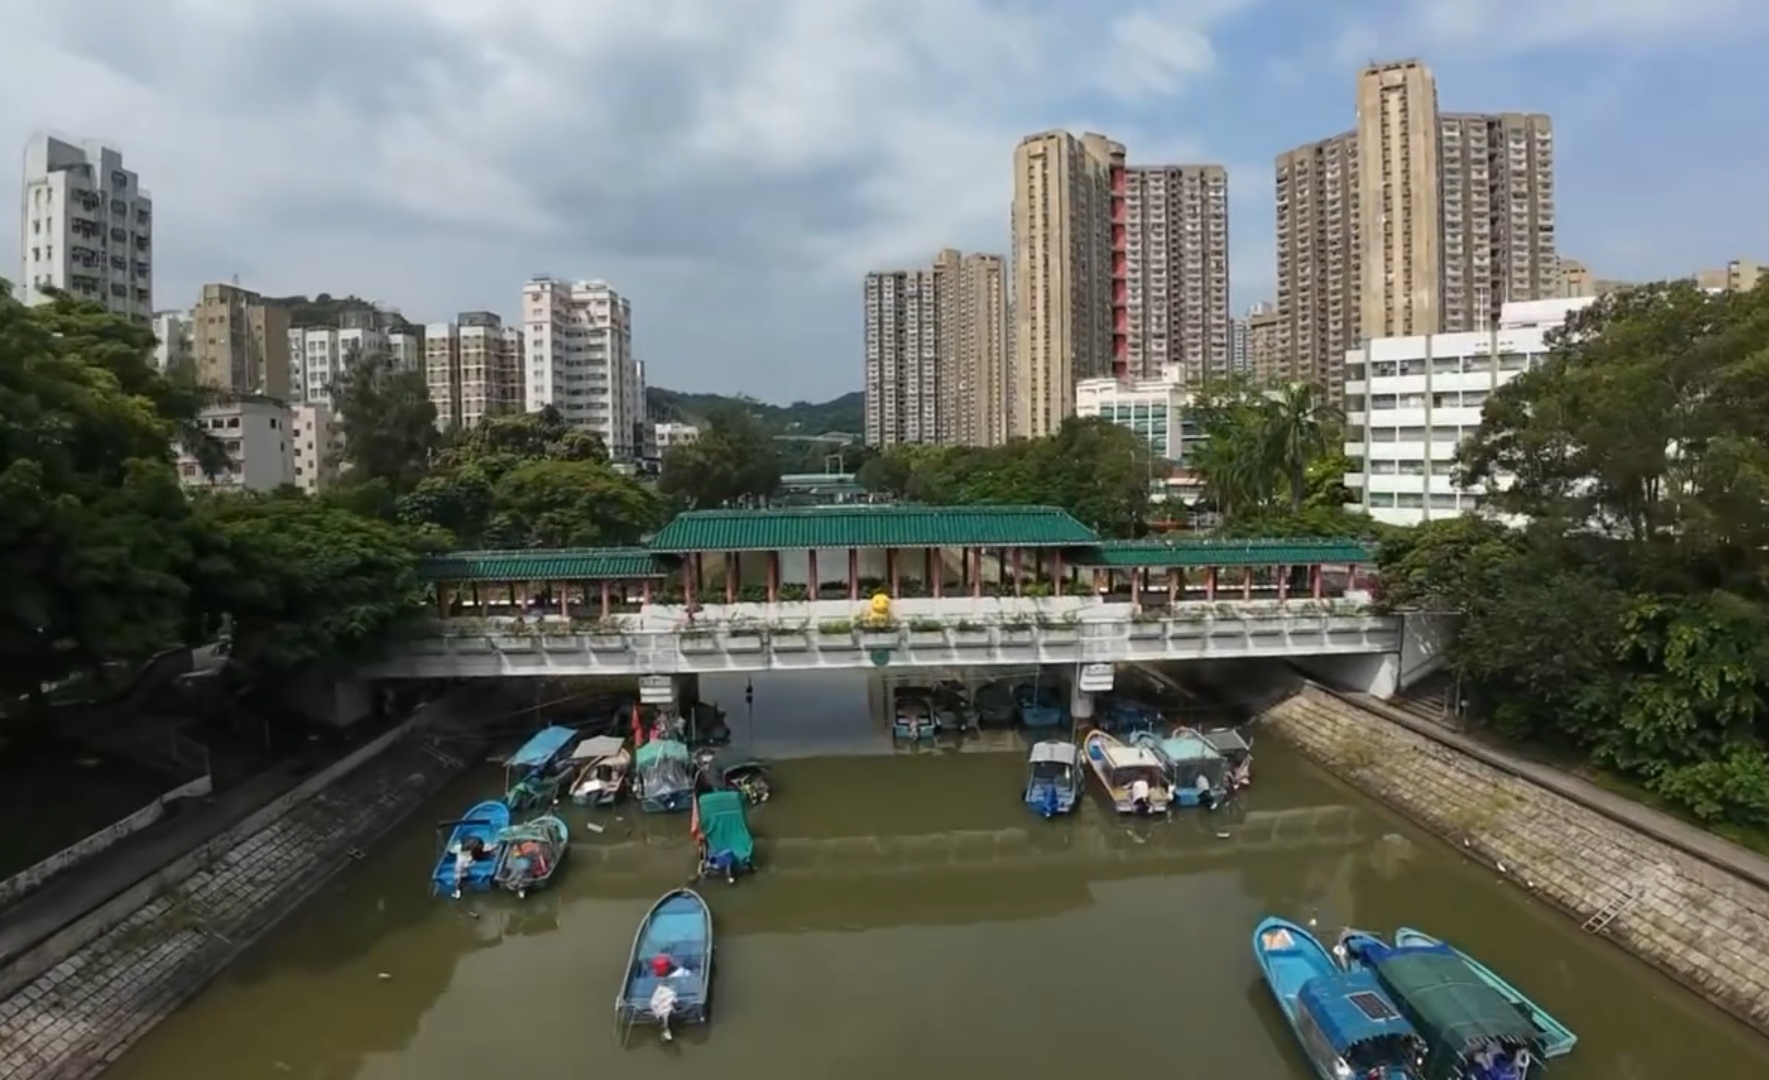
879 608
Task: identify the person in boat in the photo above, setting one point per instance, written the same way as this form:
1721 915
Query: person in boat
467 852
1140 800
664 966
1206 797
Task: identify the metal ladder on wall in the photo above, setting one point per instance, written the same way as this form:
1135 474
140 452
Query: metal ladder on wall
1615 909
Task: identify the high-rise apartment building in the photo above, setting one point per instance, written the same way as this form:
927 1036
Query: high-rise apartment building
1070 294
1319 268
316 444
473 367
87 228
902 381
936 352
580 361
1176 270
322 357
172 349
1264 329
239 343
971 291
1414 222
1497 210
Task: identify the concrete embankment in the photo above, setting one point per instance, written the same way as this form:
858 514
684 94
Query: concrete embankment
1704 925
73 1019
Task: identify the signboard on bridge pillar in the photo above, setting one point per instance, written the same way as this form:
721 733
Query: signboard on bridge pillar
1096 679
657 690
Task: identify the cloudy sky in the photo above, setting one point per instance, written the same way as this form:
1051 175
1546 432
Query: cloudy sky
735 166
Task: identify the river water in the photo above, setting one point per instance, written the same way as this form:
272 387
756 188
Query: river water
912 920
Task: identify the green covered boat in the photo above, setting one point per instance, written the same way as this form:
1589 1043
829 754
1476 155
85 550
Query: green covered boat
1557 1038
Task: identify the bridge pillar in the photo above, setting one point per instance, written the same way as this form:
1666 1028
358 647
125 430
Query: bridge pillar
1080 702
687 691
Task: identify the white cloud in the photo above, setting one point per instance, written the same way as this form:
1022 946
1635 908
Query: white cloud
1512 25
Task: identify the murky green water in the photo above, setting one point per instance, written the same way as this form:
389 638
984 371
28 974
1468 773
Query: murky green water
912 920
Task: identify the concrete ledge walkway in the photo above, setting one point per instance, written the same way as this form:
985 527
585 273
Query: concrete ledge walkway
1716 851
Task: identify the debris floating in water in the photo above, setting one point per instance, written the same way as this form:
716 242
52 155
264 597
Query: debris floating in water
383 976
593 827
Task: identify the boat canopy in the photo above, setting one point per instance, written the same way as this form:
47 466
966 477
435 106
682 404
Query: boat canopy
722 823
1131 757
542 748
1227 741
1351 1010
597 748
1451 1007
1061 753
658 751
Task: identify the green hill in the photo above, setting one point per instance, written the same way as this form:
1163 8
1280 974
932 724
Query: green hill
845 414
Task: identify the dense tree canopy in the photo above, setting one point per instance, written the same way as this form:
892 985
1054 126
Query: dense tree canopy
733 463
1272 461
1098 471
1631 616
529 480
389 424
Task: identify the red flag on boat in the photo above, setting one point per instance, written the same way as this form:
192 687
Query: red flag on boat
694 818
638 729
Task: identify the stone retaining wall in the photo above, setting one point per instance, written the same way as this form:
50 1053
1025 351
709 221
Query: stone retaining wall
73 1020
1706 927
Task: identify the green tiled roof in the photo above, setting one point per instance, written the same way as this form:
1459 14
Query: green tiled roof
1200 551
565 564
872 527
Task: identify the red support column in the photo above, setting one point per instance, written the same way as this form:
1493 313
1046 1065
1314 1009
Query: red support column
607 598
691 580
1175 585
1136 586
976 573
1246 583
1056 573
1099 580
853 573
811 585
1316 581
1019 571
936 569
1210 583
891 572
645 592
1283 584
731 564
699 558
773 577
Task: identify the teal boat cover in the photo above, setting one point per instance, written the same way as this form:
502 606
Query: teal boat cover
658 750
722 823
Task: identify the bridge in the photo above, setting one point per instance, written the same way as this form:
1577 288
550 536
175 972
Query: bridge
752 590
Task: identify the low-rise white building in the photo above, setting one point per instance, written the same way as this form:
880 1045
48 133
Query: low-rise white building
322 357
1410 401
257 434
670 434
1157 409
316 440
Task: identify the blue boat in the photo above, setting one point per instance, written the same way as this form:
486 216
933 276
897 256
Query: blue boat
1040 706
726 847
1557 1039
469 859
663 777
1053 777
1122 716
669 974
1471 1031
538 770
1195 768
1345 1023
529 854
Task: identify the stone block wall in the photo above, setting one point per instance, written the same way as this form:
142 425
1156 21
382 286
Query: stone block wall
1704 926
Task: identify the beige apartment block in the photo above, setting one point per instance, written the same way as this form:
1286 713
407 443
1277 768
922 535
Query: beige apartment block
1739 275
1577 280
1398 182
238 343
1265 334
1069 294
972 294
1498 239
1176 257
902 372
1319 265
473 367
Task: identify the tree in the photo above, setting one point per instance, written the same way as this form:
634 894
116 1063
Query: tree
732 462
1630 619
94 530
531 480
1263 444
389 425
302 581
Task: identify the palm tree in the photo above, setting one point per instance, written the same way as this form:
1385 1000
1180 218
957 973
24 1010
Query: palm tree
1296 427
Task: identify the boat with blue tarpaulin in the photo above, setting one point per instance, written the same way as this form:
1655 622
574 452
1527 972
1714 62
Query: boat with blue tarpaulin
470 854
663 776
1347 1026
1053 777
669 973
1557 1039
539 769
1194 767
1471 1031
726 847
1040 705
529 854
